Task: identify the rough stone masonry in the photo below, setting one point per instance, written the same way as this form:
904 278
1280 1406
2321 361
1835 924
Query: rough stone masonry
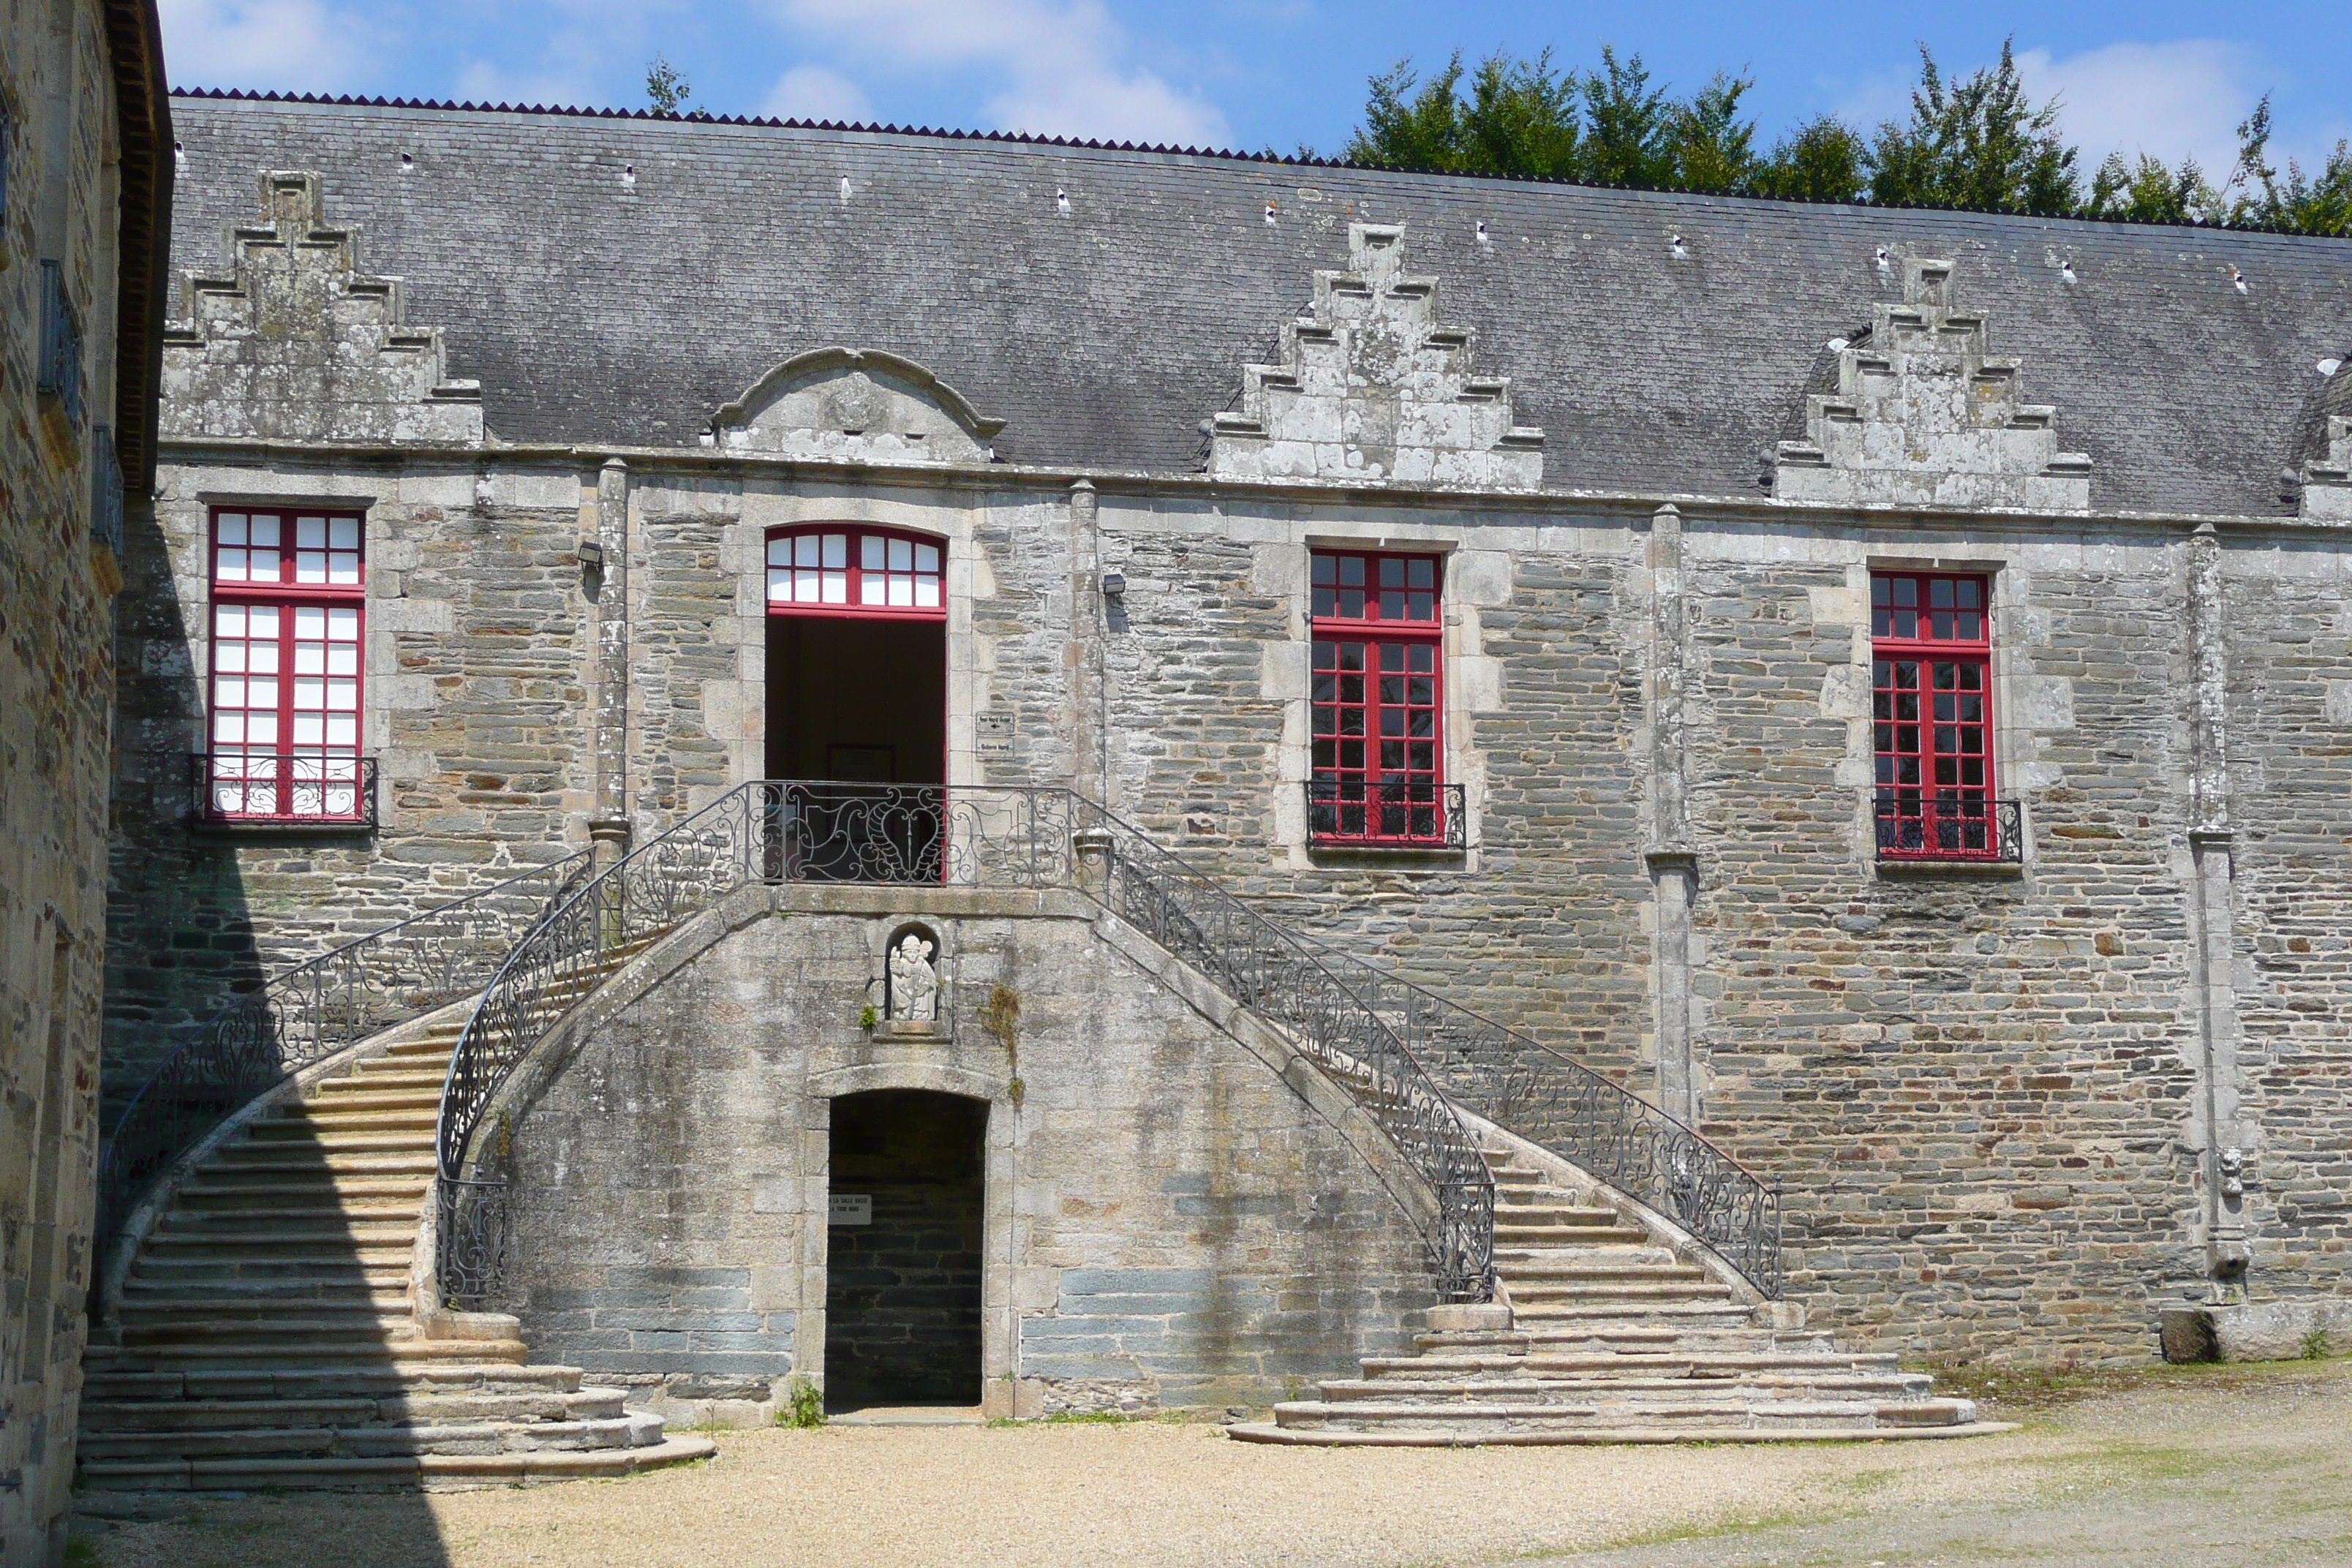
579 375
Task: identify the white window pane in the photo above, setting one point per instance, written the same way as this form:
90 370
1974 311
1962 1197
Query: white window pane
780 552
804 588
927 592
261 693
309 692
343 658
870 589
309 728
264 531
261 728
342 568
230 657
228 620
261 621
343 695
229 798
310 659
311 621
869 553
343 532
311 534
836 550
780 587
262 656
228 727
231 528
261 566
344 623
228 691
342 730
902 555
306 800
309 566
805 549
231 568
902 591
340 800
836 587
927 558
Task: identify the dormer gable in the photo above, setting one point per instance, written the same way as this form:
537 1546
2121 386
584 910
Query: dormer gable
294 342
858 405
1922 414
2327 476
1373 386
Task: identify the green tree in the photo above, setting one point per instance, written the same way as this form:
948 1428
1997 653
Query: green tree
1710 147
1979 143
2149 192
1628 125
2299 202
1522 120
1825 160
667 89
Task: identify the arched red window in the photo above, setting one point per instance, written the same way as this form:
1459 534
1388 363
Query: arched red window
838 569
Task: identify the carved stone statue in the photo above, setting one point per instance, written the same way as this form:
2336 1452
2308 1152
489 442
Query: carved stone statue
914 984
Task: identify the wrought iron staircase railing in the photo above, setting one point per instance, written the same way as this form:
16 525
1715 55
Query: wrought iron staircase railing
312 1010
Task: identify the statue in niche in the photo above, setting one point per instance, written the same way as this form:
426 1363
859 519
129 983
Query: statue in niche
914 984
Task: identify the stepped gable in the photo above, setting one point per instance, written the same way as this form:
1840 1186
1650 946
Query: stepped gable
1922 414
2326 475
1373 385
614 280
858 405
294 342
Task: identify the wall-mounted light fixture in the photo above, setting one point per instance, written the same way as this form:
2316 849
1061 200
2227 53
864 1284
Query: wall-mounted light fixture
591 553
1114 585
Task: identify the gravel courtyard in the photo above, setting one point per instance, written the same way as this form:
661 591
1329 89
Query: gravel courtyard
2247 1464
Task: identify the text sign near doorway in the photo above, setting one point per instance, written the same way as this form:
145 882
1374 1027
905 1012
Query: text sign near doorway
850 1208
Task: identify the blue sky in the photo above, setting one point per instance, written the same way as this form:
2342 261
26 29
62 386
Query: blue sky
2166 78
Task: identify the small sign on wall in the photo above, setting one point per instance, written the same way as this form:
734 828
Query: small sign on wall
851 1208
993 735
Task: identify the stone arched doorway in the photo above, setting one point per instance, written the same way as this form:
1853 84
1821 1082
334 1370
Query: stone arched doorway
903 1255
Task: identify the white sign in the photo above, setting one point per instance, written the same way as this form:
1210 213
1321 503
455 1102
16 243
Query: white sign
851 1208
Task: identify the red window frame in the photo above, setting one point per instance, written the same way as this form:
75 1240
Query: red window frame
1376 700
286 695
1932 716
911 583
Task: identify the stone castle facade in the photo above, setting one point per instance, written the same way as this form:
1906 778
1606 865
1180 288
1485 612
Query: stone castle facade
1858 679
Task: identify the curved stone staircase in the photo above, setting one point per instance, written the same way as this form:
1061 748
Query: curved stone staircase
265 1333
1604 1331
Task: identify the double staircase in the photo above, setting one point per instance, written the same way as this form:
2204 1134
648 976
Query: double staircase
1602 1331
266 1333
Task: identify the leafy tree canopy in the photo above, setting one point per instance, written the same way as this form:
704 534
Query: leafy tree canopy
1977 142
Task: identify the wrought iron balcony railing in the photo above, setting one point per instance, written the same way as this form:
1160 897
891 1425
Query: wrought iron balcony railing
60 373
312 1010
287 791
106 494
1383 815
1914 825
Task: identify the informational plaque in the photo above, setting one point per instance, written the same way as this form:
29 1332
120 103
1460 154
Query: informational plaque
851 1208
992 735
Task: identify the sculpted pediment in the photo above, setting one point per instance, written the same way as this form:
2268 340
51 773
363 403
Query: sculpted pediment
856 404
1373 384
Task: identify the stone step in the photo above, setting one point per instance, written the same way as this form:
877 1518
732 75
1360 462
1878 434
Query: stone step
232 1297
320 1117
117 1418
324 1351
1714 1365
372 1197
299 1313
400 1471
1526 1273
341 1095
113 1381
231 1233
1618 1389
1538 1296
286 1133
1472 1418
285 1158
367 1440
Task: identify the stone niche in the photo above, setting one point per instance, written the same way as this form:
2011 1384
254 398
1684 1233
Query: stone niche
857 404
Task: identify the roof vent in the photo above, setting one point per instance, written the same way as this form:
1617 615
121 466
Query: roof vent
844 187
1678 246
1062 203
2066 270
407 165
1483 238
2239 279
1884 260
629 177
1269 212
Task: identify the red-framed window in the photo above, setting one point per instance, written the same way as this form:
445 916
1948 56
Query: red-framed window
1931 677
287 668
1377 702
835 569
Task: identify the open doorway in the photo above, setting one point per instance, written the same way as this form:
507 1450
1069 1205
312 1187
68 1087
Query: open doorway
902 1293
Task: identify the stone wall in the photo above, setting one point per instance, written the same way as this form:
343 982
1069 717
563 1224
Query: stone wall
57 113
1168 1221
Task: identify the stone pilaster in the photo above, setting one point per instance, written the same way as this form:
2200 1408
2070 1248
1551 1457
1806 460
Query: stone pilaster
608 826
2221 1134
1673 864
1083 656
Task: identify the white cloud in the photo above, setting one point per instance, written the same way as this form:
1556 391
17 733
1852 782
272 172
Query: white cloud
2175 101
813 93
295 45
1063 64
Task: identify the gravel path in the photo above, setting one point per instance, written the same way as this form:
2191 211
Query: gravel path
2240 1465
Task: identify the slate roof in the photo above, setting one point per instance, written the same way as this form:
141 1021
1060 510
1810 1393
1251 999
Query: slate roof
596 310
